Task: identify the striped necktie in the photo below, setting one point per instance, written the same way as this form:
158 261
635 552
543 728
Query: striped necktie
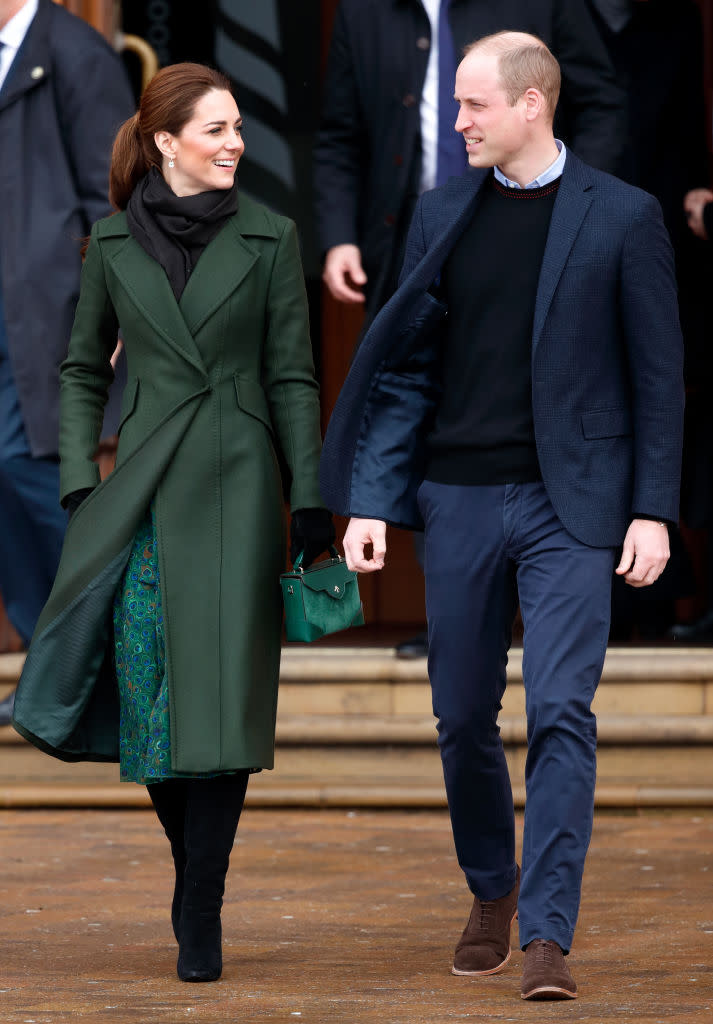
452 156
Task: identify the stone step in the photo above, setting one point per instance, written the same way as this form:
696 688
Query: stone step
355 728
330 680
338 793
376 730
369 775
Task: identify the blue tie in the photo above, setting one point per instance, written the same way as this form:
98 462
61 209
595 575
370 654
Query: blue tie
452 157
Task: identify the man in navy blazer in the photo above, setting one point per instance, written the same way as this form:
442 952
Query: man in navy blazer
521 398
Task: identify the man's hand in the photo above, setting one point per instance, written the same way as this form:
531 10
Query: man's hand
360 533
645 553
693 204
343 273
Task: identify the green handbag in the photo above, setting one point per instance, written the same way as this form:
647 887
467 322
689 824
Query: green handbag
321 599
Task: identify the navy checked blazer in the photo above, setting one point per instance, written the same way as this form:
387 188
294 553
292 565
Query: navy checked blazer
607 364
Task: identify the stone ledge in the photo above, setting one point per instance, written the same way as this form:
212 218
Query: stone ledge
364 664
22 795
625 664
650 730
377 730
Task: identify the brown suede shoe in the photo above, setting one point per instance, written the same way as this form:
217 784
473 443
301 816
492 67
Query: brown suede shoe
545 974
484 946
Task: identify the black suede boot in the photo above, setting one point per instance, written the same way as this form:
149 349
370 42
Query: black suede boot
212 813
169 800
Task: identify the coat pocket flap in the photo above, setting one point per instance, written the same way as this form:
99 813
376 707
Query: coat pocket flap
251 399
606 423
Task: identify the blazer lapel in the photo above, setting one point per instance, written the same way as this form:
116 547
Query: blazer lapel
459 201
570 208
148 287
33 62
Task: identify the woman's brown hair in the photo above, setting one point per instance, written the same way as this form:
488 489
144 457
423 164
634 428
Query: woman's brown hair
166 105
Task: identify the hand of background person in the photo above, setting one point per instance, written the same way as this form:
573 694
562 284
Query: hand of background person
343 273
693 204
117 353
645 553
360 533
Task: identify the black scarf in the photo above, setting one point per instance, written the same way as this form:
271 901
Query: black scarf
175 230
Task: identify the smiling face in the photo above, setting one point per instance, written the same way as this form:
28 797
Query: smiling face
207 149
495 133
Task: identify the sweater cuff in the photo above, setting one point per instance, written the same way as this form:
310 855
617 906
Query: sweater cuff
653 519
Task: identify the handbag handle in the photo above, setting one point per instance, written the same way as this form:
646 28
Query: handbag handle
298 561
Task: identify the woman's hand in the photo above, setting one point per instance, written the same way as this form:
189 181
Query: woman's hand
360 533
75 498
311 531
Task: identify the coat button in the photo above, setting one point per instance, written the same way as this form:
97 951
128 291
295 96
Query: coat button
398 160
389 220
409 99
423 43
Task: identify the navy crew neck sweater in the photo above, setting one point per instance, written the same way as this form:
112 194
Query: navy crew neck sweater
484 431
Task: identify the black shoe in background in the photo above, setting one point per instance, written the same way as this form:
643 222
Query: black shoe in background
415 647
700 631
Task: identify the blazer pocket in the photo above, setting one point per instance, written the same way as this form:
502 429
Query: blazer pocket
251 399
606 423
128 402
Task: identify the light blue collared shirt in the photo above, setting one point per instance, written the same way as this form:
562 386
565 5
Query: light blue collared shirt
553 171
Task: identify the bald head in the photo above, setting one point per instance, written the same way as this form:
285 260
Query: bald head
524 62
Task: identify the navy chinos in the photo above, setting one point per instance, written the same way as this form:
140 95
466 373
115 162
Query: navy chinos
485 547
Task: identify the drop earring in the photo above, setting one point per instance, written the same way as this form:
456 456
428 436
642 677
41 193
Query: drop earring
171 162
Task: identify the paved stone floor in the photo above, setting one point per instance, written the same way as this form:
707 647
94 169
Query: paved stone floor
338 916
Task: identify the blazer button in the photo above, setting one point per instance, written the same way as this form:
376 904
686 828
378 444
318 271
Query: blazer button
398 160
389 220
423 43
409 100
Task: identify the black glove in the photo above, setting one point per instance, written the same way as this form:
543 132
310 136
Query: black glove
311 531
74 499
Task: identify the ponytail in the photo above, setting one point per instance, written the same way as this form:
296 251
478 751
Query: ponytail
128 162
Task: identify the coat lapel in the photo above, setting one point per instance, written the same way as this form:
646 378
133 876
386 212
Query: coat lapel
148 287
571 205
222 267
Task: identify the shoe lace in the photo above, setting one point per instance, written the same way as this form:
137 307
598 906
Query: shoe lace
544 952
487 911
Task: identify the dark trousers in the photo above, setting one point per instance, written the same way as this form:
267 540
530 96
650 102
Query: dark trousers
485 546
32 522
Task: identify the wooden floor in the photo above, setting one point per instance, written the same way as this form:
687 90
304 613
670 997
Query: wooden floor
339 916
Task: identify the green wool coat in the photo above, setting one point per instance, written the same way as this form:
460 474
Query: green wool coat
218 384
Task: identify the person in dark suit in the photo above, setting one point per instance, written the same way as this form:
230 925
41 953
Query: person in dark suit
387 127
656 47
388 117
63 94
520 397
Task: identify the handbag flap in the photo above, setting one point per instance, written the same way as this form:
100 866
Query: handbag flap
331 579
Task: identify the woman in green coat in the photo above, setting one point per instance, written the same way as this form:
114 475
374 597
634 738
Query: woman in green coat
159 646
